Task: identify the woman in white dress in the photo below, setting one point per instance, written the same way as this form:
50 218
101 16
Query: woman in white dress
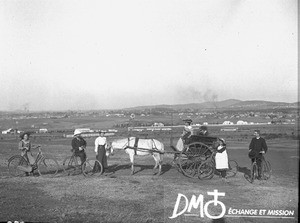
222 158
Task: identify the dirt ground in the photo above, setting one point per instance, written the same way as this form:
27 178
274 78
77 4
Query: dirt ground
145 197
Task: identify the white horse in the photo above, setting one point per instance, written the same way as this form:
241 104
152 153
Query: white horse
141 147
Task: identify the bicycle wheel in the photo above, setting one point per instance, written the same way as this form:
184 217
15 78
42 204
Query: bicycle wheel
48 166
266 169
254 172
233 167
70 165
206 170
17 166
92 167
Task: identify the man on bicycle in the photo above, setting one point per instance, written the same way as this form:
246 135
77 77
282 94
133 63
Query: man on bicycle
257 148
78 146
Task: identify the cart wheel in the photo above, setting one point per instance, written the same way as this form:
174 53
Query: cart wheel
206 170
191 158
92 167
48 167
233 167
16 166
71 165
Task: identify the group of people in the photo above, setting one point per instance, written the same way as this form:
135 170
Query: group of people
79 146
257 148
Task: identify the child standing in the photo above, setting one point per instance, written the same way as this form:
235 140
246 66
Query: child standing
222 158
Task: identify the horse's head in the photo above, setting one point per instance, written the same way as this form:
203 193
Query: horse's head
118 144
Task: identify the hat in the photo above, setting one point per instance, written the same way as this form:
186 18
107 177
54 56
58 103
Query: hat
222 140
77 132
258 131
188 120
24 133
202 127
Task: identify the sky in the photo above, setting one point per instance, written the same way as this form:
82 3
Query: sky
113 54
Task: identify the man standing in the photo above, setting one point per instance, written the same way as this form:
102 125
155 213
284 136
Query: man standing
257 147
100 150
78 146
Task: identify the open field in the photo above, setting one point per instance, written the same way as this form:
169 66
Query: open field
144 197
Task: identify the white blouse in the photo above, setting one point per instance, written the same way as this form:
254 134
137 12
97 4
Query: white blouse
100 141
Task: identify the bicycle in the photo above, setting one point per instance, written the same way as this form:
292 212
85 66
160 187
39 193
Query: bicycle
208 168
266 170
19 165
91 167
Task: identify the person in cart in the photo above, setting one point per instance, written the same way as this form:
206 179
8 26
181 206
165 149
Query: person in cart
203 130
78 146
187 129
186 134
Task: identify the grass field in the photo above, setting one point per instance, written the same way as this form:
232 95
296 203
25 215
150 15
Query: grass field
145 197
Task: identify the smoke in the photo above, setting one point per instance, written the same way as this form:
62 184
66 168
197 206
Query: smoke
192 95
210 96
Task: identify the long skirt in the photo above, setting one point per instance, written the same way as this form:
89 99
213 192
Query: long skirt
101 157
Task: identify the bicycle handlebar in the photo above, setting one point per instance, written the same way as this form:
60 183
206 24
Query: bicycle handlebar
38 147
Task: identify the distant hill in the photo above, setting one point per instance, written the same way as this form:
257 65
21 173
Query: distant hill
226 104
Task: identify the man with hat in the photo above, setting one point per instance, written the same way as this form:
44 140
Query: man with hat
78 146
257 147
203 130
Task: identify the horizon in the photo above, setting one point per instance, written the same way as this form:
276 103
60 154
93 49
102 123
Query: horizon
78 55
134 107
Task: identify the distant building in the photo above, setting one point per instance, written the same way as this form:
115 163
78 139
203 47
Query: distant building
11 131
229 129
85 130
227 123
43 130
240 122
158 124
8 131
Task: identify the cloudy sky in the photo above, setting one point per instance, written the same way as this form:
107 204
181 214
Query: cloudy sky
91 54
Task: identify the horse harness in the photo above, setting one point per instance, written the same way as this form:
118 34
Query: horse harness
135 146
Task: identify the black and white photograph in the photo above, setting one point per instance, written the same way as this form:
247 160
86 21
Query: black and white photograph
147 111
